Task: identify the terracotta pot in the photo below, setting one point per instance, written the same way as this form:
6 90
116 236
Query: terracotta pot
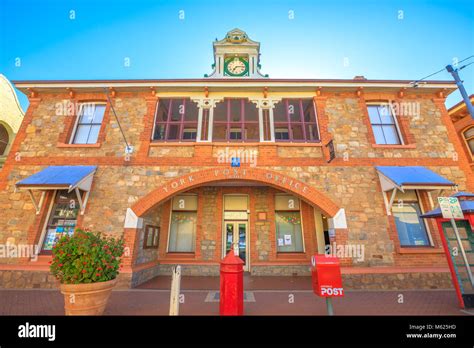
87 299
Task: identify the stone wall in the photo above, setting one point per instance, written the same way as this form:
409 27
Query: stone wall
210 223
263 235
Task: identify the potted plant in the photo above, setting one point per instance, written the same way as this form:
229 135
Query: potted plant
86 264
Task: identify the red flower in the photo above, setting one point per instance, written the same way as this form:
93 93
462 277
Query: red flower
99 268
50 262
98 274
84 263
60 265
84 271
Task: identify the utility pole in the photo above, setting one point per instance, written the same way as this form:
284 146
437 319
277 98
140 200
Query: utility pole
467 101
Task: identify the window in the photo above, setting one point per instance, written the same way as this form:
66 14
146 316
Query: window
295 120
176 120
410 227
235 120
183 224
384 124
151 237
468 136
288 224
62 220
4 139
88 124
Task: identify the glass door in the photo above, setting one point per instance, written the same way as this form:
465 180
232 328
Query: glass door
236 234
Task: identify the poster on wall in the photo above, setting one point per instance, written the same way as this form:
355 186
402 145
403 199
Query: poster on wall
287 239
280 242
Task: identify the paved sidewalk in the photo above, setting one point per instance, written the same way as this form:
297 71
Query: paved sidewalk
267 302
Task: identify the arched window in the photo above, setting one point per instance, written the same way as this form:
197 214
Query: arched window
4 139
469 136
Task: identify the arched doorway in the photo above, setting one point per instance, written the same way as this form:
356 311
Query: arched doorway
212 175
196 217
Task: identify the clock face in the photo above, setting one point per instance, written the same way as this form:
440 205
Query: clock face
236 66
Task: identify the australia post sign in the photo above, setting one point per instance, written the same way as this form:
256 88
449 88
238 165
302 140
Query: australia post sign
326 274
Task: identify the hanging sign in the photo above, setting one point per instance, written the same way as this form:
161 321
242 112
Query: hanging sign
450 208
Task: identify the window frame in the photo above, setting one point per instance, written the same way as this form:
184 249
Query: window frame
289 123
275 211
47 220
183 125
155 237
77 124
424 222
232 126
171 221
466 140
395 120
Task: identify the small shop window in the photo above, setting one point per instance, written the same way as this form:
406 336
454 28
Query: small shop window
295 120
151 237
176 120
62 220
89 122
182 236
289 234
412 230
384 124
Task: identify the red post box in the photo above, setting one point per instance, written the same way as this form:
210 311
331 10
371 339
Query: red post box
232 285
326 274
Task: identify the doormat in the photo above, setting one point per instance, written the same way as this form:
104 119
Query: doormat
214 296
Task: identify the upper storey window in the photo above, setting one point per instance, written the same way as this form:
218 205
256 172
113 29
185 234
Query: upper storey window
295 120
235 120
88 124
176 120
384 124
469 137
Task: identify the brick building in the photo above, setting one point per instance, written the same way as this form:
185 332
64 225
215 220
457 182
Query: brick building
278 168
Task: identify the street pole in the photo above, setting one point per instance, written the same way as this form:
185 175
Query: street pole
467 101
463 253
329 306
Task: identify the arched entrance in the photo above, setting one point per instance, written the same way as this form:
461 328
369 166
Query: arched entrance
211 175
209 226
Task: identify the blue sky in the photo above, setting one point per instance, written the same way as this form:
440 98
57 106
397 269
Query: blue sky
378 39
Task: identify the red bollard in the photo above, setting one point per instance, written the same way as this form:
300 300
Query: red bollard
232 285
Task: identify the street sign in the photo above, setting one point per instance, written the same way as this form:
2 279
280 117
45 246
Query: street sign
450 208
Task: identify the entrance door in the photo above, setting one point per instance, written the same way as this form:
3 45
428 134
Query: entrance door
467 239
236 234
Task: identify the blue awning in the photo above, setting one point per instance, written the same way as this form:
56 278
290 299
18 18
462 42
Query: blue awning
58 177
411 177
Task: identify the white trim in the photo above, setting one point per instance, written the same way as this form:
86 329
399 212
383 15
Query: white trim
132 220
311 84
395 118
425 222
154 120
78 116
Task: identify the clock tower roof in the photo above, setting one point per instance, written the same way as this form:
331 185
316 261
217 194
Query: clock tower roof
236 45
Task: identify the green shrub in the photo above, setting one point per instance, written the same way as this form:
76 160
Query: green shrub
86 257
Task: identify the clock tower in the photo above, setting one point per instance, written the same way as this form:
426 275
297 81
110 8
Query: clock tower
236 56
